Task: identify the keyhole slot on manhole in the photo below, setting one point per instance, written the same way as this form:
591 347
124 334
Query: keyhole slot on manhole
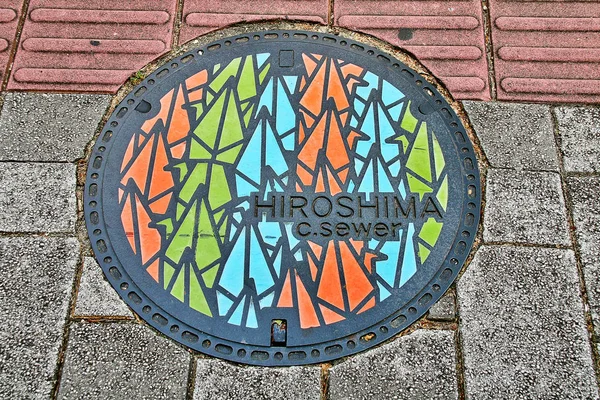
144 107
278 332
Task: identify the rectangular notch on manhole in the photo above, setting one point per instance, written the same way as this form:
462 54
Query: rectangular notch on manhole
286 58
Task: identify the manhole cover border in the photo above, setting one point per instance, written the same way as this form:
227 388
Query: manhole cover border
282 356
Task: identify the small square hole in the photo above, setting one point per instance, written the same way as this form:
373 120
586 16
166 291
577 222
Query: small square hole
286 58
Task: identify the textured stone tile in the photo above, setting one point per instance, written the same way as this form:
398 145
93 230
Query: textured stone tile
96 297
216 379
417 366
48 127
579 130
445 308
122 361
525 207
35 290
517 136
37 197
585 193
523 328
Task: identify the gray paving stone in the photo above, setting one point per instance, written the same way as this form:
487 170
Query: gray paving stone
122 361
37 197
584 193
96 297
216 380
517 136
48 127
523 328
445 308
525 207
579 130
420 365
35 290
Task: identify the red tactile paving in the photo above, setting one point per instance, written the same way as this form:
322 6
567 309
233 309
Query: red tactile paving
446 36
201 16
9 19
547 51
85 45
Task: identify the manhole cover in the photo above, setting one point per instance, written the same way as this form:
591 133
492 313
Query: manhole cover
282 198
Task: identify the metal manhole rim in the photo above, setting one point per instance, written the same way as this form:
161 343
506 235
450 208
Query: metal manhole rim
190 336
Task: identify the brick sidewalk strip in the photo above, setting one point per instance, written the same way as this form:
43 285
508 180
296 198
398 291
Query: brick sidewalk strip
9 19
202 16
446 36
547 51
91 46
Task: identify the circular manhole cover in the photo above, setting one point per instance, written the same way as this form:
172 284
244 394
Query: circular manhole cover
282 198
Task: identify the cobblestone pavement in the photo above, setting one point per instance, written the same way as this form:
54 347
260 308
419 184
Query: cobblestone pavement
521 322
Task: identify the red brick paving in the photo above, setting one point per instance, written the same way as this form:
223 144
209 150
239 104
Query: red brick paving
201 16
9 19
447 36
547 51
543 50
83 45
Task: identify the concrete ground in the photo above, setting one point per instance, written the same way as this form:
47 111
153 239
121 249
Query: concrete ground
521 322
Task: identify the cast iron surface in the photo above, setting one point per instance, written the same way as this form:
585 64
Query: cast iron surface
225 227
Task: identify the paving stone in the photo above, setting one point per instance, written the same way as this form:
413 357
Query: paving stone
89 45
96 297
202 16
445 308
522 324
546 50
35 290
48 127
446 36
579 130
37 197
517 136
122 361
585 193
525 207
420 365
216 379
9 19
